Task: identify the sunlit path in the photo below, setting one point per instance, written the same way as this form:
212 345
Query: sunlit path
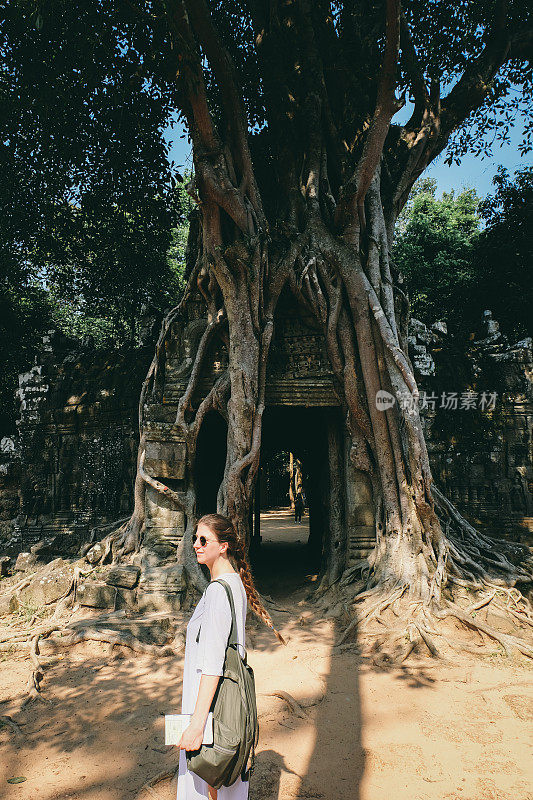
284 562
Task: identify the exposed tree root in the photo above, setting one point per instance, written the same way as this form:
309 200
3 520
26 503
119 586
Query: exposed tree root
161 776
31 639
36 676
477 560
100 532
293 704
467 647
507 642
9 723
424 621
112 637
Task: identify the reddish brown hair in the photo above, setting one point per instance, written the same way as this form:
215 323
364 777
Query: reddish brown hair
224 530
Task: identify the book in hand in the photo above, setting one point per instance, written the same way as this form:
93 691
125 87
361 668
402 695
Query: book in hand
175 724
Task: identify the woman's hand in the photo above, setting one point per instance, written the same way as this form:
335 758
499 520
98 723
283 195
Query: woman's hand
192 736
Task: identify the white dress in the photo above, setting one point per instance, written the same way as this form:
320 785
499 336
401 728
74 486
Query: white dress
213 616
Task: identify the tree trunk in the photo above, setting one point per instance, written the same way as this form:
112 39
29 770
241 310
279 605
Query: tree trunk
295 478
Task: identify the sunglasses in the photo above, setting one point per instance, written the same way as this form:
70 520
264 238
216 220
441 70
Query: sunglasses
203 541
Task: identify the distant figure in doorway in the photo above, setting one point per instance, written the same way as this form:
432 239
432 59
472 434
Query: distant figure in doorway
299 507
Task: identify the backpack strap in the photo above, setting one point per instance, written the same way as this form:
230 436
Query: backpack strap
252 754
246 773
232 640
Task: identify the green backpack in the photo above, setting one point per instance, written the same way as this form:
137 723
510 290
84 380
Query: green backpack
235 724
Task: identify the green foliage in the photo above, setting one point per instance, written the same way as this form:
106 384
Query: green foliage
89 209
97 293
30 306
434 251
449 37
504 253
92 222
179 234
87 199
422 186
455 269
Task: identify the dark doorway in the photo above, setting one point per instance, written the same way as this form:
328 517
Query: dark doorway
210 461
284 551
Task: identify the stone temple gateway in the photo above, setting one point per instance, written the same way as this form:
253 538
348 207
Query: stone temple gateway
302 415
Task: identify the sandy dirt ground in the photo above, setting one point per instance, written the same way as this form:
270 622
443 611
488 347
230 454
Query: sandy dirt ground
426 731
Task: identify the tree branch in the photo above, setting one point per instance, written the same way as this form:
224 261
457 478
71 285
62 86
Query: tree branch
224 71
185 400
426 137
160 487
386 104
189 63
212 400
416 74
386 107
472 88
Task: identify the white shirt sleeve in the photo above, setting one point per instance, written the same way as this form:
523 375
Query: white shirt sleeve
214 631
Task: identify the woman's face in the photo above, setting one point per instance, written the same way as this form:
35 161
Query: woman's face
208 553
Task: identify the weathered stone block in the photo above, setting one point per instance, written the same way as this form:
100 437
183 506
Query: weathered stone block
145 559
363 516
161 512
160 549
165 459
94 554
162 588
358 487
153 600
8 604
96 594
5 563
152 631
162 541
126 598
24 562
170 578
361 540
125 576
48 587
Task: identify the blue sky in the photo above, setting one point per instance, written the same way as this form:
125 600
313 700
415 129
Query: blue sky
477 172
473 172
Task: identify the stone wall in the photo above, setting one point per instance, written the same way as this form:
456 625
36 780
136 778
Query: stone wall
481 454
74 456
10 476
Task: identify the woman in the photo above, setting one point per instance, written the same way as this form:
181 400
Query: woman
216 545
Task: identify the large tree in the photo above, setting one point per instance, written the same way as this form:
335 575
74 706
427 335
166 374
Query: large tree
300 175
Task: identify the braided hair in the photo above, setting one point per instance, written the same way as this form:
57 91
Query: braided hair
224 530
